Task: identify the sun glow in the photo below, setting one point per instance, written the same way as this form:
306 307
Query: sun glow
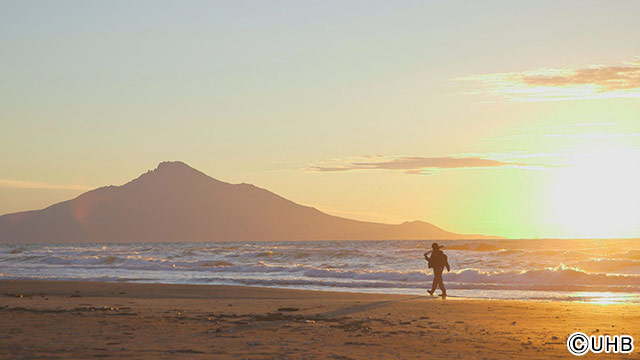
598 194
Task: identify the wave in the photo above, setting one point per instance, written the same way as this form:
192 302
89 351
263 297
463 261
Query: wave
560 275
380 265
616 266
601 272
217 264
631 255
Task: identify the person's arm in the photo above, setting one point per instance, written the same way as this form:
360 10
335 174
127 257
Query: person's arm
426 255
447 264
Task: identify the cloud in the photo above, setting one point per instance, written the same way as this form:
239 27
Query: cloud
413 165
592 82
594 136
606 78
19 184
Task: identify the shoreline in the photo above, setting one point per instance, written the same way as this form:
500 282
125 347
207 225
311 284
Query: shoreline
77 319
570 296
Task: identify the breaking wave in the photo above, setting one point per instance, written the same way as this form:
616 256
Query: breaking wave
380 266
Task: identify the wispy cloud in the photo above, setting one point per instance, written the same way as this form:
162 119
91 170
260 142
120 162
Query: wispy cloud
606 78
592 82
20 184
411 165
594 136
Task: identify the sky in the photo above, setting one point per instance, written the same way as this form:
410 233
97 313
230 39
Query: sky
512 118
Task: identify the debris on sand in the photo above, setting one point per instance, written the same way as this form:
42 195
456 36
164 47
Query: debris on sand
288 309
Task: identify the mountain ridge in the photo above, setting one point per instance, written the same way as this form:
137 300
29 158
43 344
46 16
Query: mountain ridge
177 203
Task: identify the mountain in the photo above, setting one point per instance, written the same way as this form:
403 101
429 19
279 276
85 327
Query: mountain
175 202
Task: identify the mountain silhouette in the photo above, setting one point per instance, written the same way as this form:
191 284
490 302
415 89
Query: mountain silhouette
175 202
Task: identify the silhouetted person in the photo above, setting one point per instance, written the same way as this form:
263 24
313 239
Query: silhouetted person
438 261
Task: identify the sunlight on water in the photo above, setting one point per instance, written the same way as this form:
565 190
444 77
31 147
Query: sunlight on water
607 298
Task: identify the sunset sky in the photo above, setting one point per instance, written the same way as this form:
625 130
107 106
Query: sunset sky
512 118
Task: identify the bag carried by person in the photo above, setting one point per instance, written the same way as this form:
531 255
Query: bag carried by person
437 259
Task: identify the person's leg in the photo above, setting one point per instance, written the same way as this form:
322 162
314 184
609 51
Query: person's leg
434 284
444 291
441 283
437 279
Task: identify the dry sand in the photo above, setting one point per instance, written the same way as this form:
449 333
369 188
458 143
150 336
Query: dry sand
86 320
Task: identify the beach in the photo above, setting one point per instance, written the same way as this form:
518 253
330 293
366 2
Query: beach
80 320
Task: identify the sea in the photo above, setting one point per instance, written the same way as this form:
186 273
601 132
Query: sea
600 271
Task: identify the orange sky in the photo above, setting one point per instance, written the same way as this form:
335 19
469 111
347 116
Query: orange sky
517 119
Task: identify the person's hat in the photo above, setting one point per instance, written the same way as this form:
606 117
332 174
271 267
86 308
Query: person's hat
435 246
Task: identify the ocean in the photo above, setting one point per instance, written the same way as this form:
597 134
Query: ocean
602 271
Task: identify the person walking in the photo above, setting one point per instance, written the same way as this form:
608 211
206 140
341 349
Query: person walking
437 261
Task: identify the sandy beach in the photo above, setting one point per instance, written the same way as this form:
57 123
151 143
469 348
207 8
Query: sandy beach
61 320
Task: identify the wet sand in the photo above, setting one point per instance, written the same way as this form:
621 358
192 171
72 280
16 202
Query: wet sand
83 320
